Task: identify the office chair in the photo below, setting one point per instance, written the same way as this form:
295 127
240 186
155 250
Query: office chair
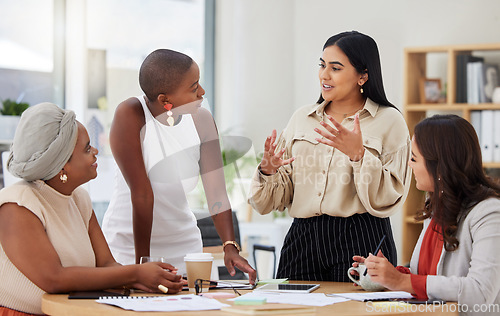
210 238
272 249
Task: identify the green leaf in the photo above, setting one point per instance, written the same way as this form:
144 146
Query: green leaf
11 107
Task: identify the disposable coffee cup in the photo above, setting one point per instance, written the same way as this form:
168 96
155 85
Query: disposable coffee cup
198 266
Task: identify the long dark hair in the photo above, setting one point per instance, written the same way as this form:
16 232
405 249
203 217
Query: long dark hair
452 154
362 52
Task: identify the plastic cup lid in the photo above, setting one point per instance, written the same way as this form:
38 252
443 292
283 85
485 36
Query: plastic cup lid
205 256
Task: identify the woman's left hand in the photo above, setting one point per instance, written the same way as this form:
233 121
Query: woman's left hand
348 142
233 259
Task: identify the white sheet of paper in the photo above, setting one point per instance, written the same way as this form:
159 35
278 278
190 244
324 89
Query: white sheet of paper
234 284
309 299
170 303
374 296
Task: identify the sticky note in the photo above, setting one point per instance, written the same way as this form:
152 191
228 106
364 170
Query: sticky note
273 281
242 300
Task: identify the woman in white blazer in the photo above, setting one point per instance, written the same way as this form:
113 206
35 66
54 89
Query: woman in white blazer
457 256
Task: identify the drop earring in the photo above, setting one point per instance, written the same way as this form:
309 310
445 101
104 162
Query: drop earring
170 119
439 180
63 178
361 90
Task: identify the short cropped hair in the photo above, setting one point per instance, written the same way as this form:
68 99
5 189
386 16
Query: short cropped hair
162 71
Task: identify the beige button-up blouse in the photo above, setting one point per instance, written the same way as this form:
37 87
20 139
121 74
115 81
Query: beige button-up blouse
323 180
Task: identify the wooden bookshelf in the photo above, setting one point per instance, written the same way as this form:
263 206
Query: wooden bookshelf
415 68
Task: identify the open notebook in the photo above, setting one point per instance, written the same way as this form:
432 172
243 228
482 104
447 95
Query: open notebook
375 296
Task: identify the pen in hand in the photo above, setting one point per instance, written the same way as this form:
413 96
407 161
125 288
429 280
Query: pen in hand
376 251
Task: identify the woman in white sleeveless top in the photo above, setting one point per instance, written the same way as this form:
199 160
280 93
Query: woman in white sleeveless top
171 155
162 142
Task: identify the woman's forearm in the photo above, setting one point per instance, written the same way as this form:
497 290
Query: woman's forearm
142 225
89 278
223 223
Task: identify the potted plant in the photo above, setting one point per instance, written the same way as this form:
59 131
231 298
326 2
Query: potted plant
10 114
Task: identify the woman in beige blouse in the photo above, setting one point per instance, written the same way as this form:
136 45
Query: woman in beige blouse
49 235
340 167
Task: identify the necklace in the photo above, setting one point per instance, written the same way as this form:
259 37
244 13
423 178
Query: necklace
344 115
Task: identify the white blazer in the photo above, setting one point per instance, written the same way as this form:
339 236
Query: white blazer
471 273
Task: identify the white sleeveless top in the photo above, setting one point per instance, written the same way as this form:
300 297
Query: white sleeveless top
171 155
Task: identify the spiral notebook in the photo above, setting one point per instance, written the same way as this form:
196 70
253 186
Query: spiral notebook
166 303
93 294
375 296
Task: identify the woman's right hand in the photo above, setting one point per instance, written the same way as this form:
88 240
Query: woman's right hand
271 160
150 275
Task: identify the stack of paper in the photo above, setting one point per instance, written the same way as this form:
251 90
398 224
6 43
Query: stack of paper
168 303
270 309
310 299
374 296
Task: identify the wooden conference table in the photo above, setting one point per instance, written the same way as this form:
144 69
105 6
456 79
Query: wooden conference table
59 304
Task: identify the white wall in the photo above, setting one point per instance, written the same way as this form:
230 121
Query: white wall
267 51
254 65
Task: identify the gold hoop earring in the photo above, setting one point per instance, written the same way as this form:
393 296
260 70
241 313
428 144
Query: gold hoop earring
63 178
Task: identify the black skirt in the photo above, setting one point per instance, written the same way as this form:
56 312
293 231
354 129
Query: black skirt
321 248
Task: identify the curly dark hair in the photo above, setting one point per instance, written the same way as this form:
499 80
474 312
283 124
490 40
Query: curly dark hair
162 71
452 154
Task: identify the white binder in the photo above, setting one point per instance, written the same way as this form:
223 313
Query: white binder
496 136
487 143
475 120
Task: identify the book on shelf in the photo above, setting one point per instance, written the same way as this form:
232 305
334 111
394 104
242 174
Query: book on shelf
461 79
475 82
481 79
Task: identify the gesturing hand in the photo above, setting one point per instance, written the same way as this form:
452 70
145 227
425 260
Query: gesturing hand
348 142
271 160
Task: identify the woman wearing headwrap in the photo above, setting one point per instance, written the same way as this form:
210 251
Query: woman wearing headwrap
50 238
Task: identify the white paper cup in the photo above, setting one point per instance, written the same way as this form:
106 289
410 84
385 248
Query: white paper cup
198 266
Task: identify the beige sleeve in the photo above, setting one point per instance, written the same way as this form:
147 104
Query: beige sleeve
274 192
382 183
22 194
